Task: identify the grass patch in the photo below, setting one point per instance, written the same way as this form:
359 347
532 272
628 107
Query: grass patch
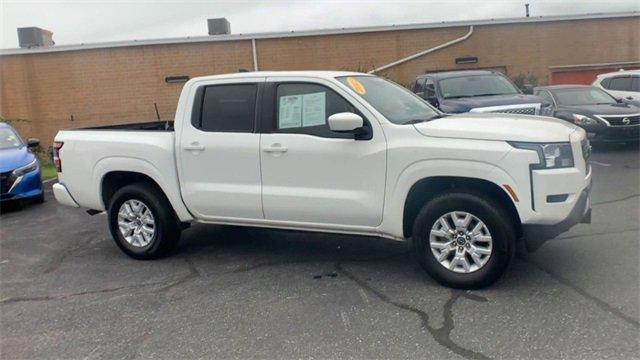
48 171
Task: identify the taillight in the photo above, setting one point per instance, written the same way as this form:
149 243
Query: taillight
56 155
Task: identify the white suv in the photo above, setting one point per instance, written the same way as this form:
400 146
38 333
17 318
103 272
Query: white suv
620 84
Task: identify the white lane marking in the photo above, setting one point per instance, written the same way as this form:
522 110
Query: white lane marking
345 320
364 296
49 180
599 163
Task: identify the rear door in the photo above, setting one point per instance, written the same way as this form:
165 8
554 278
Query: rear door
218 151
311 174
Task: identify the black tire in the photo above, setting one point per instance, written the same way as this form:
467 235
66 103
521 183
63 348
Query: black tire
497 221
40 198
167 229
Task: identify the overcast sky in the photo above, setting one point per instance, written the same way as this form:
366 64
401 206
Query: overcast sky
74 22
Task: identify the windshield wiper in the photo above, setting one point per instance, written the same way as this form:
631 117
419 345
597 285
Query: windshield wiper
492 94
475 95
416 121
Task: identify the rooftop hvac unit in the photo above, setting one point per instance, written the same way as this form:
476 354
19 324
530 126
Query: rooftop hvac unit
219 26
29 37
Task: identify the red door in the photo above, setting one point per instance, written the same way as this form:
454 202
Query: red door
583 77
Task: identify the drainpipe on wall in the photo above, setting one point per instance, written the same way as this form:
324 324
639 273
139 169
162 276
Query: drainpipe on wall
424 52
255 56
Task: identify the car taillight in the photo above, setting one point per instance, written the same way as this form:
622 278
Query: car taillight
56 155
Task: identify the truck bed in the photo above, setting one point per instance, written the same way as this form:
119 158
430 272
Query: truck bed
88 154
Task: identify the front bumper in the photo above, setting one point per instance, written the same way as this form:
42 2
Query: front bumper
613 133
25 186
535 235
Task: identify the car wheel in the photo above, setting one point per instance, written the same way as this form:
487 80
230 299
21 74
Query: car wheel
464 240
142 222
40 198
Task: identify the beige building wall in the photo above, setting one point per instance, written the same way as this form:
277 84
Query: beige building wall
79 88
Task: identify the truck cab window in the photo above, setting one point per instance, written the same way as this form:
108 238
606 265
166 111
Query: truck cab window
229 108
418 86
304 109
546 96
429 89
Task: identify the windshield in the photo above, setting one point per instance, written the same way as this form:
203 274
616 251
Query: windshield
476 85
9 139
397 104
583 96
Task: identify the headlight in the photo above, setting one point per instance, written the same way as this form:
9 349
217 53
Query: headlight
32 166
552 156
583 120
546 110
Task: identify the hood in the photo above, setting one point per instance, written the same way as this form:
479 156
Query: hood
11 159
505 127
468 103
603 109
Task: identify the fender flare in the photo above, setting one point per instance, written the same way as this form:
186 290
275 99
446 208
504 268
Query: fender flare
418 171
170 187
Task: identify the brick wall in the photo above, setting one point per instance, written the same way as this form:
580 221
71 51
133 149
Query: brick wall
115 85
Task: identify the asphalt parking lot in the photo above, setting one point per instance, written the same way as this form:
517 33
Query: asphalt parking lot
66 291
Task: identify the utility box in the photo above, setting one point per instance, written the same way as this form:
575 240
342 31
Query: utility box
29 37
219 26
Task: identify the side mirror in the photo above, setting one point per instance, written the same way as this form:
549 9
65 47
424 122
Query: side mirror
32 142
619 100
527 89
433 100
345 122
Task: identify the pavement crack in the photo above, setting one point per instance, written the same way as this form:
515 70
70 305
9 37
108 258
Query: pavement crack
603 305
441 335
69 295
615 200
264 264
193 273
597 233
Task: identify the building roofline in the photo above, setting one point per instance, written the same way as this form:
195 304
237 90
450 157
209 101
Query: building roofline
340 31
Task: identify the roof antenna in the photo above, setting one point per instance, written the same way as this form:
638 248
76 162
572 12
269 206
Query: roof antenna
526 7
166 125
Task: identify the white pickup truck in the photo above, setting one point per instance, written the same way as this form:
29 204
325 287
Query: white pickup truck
334 152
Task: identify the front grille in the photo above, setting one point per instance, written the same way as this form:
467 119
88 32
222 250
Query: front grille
5 182
621 120
522 111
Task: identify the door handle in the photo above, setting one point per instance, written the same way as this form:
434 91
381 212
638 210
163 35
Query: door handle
275 148
194 146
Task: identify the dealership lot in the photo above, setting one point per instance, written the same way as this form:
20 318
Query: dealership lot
68 292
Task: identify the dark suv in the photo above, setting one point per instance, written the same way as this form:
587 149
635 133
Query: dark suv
477 91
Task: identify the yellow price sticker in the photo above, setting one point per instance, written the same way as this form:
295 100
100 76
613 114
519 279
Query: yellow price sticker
356 86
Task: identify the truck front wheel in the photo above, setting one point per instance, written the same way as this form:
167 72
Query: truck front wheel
142 222
464 240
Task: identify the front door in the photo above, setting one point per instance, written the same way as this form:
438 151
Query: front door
218 152
311 174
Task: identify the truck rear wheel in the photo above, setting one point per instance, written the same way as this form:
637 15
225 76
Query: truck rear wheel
463 240
142 222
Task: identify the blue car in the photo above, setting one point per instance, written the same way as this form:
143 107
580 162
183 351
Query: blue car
19 167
